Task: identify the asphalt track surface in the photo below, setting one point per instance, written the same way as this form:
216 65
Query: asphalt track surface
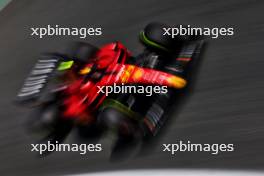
226 104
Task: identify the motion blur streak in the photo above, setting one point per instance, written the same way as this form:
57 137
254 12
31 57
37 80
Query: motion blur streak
4 3
171 172
226 105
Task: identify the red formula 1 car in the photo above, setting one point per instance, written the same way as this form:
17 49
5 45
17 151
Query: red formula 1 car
75 89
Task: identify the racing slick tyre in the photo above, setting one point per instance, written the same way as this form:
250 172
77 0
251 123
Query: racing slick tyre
153 36
45 122
115 120
90 131
43 119
125 132
80 51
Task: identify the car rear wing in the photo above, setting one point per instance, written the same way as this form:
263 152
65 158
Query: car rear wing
42 72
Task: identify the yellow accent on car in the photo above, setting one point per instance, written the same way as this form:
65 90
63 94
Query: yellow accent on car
177 82
138 74
85 70
127 73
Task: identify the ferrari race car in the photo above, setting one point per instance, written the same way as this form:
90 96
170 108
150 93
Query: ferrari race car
75 88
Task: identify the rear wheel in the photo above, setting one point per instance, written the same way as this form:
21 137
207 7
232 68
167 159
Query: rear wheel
46 124
120 122
89 131
153 37
43 119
